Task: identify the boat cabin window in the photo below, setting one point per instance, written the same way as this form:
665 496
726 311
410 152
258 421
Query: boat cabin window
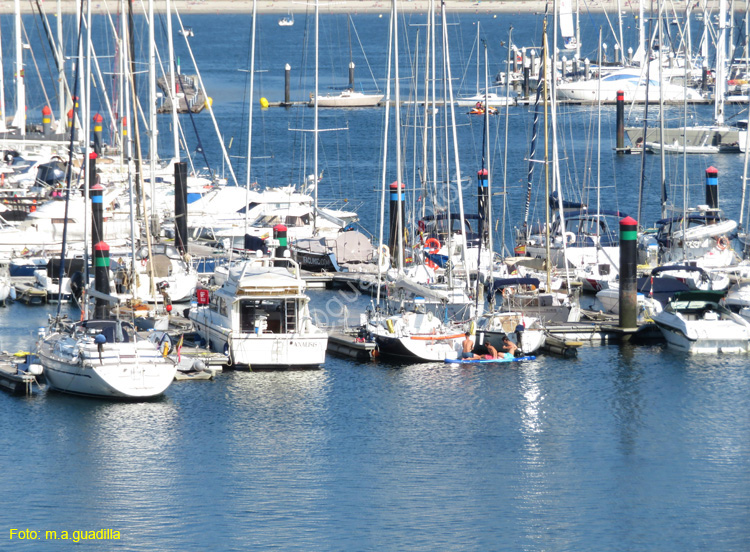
266 221
295 221
268 316
252 205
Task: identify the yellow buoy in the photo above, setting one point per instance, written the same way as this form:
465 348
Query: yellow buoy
263 103
209 102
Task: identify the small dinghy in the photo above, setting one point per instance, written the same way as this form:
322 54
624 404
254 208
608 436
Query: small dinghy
506 358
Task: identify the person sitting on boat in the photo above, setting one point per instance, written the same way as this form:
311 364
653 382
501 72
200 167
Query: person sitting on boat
492 352
509 346
468 348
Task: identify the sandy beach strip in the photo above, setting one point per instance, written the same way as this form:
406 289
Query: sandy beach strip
354 6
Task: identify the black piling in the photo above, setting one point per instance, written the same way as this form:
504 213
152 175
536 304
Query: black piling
397 220
46 121
628 273
101 279
98 140
287 85
483 204
180 207
279 234
620 121
712 187
96 193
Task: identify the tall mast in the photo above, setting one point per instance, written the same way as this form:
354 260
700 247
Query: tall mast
153 130
397 127
720 81
250 116
172 84
19 120
315 125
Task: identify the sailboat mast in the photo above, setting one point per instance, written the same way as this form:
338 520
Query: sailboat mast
153 130
315 124
547 218
172 84
19 120
397 127
250 116
384 171
455 142
3 128
659 25
720 81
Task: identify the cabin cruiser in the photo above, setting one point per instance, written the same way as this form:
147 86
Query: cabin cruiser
630 80
259 316
696 322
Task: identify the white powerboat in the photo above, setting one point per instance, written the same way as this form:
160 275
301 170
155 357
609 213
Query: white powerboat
259 316
629 80
696 322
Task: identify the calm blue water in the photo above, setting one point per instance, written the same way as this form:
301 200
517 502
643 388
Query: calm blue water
622 449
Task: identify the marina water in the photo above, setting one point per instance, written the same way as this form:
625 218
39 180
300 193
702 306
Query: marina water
623 449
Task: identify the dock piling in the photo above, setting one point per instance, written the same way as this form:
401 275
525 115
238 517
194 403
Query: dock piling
628 273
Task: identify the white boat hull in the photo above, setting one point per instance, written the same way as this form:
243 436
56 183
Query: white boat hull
125 370
264 350
704 336
351 99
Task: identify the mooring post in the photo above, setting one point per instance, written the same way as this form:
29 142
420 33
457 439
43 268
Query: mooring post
628 273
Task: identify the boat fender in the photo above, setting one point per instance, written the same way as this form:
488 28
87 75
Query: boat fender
570 238
722 242
472 327
13 293
144 261
389 323
429 316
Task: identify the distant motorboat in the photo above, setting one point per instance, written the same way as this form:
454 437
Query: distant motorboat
347 98
187 31
491 99
286 21
628 80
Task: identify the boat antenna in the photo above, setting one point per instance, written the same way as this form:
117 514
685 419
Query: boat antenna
68 178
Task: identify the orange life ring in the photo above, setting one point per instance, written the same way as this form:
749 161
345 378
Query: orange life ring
722 242
433 244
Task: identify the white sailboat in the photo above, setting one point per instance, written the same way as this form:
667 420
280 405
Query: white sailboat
103 358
